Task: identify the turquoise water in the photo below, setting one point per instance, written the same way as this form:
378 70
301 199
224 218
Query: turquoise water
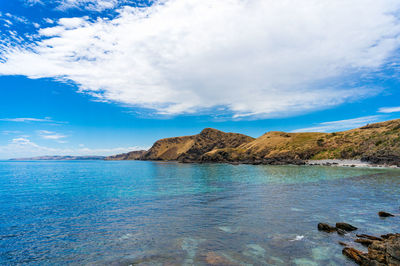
150 213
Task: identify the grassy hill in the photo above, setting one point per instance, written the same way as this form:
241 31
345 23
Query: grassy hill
191 148
133 155
377 143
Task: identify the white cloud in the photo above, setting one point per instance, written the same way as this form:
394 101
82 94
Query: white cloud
93 5
49 20
52 135
262 58
21 119
388 110
24 147
341 125
33 2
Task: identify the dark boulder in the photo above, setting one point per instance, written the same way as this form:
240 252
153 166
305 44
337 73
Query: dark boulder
326 228
385 214
345 226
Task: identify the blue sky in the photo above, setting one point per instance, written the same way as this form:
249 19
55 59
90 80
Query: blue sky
103 77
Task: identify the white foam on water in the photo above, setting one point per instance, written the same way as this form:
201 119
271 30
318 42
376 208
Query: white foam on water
297 238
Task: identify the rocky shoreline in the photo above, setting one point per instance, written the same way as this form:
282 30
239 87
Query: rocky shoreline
348 163
382 250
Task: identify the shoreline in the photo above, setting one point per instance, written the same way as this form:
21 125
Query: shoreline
348 163
324 162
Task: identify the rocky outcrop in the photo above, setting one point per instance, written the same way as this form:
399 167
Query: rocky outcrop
380 252
340 228
383 250
133 155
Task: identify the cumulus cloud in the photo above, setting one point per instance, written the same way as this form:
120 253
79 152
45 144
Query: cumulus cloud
341 125
24 147
388 110
257 58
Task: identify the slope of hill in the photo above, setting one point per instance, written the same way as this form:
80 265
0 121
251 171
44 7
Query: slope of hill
191 148
133 155
377 143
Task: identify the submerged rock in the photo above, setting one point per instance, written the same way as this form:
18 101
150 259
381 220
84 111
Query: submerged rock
385 214
345 226
213 258
326 228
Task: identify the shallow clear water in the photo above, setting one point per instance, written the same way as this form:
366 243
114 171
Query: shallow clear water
131 212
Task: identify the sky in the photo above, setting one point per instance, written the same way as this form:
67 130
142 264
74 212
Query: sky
86 77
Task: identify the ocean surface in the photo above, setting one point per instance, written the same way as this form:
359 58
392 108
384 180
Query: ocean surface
155 213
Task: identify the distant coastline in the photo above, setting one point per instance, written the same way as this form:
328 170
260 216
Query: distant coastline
59 158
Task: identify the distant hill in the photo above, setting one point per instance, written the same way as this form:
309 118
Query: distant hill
377 143
59 158
133 155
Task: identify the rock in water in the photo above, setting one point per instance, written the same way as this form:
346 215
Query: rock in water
326 227
385 252
369 237
345 226
364 242
355 255
212 258
341 231
385 214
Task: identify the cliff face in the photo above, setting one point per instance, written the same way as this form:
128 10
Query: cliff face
191 148
133 155
376 143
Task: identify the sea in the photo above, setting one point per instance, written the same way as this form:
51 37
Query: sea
167 213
